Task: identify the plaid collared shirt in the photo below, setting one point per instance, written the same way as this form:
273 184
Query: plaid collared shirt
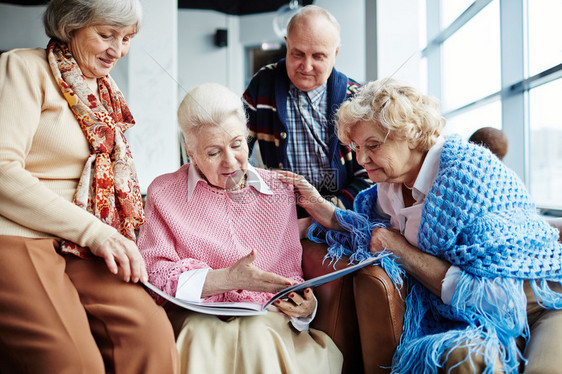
307 143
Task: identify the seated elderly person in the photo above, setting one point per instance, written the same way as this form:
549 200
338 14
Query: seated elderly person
221 230
493 139
484 271
70 204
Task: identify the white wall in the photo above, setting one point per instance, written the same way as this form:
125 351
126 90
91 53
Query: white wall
350 15
152 92
21 27
199 60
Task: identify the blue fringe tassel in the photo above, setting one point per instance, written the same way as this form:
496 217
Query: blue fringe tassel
355 243
546 297
503 308
429 353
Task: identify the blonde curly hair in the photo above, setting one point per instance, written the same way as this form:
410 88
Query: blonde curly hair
396 108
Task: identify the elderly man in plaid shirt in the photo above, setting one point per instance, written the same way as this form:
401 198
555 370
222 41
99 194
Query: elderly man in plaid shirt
291 108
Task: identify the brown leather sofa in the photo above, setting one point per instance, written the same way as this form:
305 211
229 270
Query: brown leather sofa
362 312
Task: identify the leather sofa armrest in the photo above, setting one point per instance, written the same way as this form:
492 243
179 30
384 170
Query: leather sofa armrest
380 314
336 315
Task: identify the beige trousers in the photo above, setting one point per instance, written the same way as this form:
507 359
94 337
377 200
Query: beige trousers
62 314
265 344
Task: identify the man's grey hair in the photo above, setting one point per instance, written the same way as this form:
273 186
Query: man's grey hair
313 10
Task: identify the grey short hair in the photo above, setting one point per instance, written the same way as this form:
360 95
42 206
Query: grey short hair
209 104
396 108
311 11
62 17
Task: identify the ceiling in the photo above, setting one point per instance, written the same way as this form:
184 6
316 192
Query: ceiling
235 7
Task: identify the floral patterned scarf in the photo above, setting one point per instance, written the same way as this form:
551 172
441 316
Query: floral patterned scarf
108 187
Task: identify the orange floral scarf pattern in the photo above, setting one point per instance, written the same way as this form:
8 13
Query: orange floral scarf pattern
108 186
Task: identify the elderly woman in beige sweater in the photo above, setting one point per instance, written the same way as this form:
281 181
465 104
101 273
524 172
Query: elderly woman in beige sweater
70 204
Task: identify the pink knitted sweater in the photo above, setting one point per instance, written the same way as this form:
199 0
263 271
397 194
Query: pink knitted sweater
216 228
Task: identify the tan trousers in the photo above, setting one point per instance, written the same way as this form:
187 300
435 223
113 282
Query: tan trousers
264 344
544 351
69 315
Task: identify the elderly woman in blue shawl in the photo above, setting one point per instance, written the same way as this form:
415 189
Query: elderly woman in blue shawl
483 270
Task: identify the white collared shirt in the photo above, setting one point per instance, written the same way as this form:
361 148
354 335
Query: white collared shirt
390 202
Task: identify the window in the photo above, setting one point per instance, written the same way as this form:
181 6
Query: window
451 10
465 123
471 60
545 136
499 64
545 45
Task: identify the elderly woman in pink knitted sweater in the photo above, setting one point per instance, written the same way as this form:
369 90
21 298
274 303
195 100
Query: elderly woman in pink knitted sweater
220 230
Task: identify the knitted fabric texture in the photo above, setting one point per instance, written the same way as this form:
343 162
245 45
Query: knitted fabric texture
216 228
479 217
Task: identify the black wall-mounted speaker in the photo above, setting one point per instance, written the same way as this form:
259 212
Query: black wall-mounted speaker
221 37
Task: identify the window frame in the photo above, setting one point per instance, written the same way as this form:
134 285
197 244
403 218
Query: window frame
515 86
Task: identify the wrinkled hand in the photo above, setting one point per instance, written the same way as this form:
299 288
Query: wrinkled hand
428 269
297 305
307 194
389 239
310 199
244 275
122 256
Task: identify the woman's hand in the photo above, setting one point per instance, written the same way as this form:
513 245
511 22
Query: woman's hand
243 275
389 239
310 199
297 306
122 256
307 195
426 268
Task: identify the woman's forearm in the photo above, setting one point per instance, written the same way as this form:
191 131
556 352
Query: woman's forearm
324 213
427 269
216 283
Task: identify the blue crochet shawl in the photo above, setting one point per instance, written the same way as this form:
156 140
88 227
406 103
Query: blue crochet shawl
479 217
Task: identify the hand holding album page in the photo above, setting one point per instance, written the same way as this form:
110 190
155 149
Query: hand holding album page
252 309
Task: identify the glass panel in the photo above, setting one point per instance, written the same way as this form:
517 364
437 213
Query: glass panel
471 59
423 76
545 28
545 159
423 23
489 115
451 9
